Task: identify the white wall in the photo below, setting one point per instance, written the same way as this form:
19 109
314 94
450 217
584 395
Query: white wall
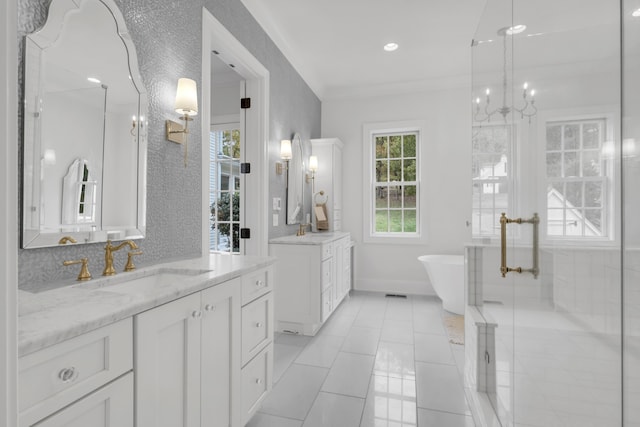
394 268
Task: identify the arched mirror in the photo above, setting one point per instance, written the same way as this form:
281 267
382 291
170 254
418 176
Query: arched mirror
84 128
295 185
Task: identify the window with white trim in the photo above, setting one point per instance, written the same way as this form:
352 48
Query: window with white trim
577 179
395 183
393 196
492 175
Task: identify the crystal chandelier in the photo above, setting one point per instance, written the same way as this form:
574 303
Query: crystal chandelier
528 108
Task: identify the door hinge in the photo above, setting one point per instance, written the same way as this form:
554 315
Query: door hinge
245 167
245 233
245 103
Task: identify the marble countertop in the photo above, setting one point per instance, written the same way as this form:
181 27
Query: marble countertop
65 310
310 238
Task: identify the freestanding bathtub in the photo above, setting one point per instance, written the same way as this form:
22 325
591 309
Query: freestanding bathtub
446 273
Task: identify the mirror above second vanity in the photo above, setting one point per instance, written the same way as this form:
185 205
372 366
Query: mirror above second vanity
296 183
85 113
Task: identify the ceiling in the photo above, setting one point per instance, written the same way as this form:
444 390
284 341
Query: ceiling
337 45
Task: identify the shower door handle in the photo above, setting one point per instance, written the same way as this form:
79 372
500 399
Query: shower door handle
535 220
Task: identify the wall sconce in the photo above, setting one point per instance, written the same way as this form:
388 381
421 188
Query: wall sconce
187 105
285 154
313 167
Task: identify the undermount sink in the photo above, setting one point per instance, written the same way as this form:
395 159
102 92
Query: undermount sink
143 279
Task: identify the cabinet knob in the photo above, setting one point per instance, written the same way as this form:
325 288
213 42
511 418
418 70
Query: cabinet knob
258 381
259 325
67 374
196 314
259 283
209 307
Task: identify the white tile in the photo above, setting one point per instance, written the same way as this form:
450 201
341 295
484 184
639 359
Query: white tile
283 357
349 375
333 410
390 402
399 309
361 340
433 349
395 360
399 331
321 351
338 325
440 388
295 393
428 322
266 420
370 318
429 418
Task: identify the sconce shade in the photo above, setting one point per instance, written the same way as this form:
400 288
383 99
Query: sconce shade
187 97
285 149
313 163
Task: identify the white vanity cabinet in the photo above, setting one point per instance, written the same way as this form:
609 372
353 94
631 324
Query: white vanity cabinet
187 359
328 178
312 279
199 351
206 359
84 381
257 340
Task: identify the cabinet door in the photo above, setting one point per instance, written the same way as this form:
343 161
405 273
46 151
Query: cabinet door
221 354
167 364
110 406
337 273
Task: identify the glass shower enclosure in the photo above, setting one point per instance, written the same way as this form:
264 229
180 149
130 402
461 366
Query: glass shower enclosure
553 274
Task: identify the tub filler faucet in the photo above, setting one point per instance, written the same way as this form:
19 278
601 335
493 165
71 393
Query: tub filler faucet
108 255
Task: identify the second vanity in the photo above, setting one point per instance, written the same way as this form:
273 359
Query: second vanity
195 337
313 276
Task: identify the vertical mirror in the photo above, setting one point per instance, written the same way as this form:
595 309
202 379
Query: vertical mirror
295 185
84 128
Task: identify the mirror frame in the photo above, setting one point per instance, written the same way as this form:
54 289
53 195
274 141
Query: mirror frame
44 38
296 182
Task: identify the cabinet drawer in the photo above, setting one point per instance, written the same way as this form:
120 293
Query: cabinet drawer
58 375
111 406
327 304
327 250
256 382
326 271
257 326
256 284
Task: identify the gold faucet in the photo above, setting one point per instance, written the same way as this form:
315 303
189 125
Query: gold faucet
301 229
130 266
108 255
84 274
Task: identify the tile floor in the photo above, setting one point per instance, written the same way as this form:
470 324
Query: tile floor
377 362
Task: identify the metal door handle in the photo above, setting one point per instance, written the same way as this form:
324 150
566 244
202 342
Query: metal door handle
535 220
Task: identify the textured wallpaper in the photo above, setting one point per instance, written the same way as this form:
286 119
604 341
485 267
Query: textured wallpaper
168 39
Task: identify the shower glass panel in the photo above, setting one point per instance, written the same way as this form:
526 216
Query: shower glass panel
631 197
552 118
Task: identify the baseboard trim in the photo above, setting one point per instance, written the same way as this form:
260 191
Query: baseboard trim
395 286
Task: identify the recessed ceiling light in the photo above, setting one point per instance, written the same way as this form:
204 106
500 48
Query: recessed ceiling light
93 80
636 13
390 47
